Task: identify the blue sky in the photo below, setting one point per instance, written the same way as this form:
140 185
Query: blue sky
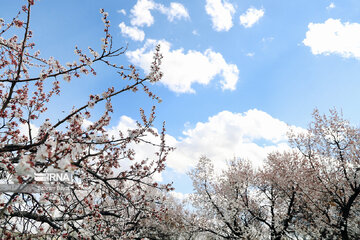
236 72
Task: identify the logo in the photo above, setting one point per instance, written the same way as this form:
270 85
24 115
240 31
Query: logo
54 177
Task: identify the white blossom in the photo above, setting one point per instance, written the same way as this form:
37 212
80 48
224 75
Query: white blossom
24 168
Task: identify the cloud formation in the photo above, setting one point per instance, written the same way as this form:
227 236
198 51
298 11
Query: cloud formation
250 135
141 12
334 37
133 32
182 69
331 6
251 16
122 11
175 11
221 12
226 135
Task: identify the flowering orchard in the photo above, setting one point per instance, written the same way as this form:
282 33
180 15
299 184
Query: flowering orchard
106 200
310 192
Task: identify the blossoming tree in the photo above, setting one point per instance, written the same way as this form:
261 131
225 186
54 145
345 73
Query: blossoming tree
112 192
310 192
220 201
331 181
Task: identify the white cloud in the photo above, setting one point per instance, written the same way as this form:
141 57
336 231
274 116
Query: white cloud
250 54
141 12
194 32
334 37
251 135
226 135
122 11
175 11
24 130
221 13
267 39
179 196
86 123
331 6
251 16
182 69
133 32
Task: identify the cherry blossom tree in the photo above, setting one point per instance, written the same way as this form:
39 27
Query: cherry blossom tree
247 203
281 204
310 192
221 201
173 221
331 182
112 192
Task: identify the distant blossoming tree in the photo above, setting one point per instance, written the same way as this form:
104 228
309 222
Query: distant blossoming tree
112 194
221 201
331 175
310 192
